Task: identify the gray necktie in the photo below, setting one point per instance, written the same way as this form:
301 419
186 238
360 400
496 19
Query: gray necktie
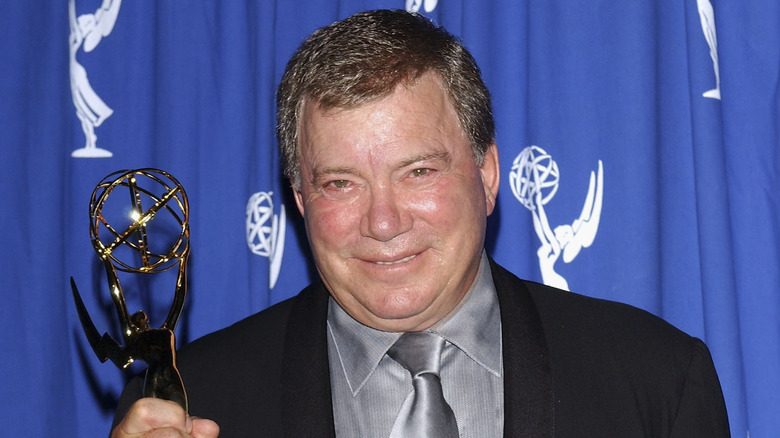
425 413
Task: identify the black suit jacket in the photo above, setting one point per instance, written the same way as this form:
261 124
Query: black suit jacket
574 367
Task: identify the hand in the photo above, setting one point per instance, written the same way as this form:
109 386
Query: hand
152 417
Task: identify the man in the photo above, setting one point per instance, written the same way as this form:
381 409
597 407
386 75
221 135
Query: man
387 137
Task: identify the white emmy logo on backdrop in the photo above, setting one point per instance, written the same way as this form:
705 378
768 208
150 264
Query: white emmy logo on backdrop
534 181
87 30
707 17
265 231
414 5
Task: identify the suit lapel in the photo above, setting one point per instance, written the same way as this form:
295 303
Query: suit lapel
528 389
307 409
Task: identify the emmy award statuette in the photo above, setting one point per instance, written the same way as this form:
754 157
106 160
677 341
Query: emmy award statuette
148 235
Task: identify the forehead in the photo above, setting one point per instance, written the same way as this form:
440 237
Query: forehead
420 107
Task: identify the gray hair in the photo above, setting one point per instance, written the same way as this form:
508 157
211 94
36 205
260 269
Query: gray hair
363 58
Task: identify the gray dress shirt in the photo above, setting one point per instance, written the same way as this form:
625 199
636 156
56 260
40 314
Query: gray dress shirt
369 388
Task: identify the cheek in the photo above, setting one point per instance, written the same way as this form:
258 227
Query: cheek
448 205
331 223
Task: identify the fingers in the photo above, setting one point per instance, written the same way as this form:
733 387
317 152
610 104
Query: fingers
151 417
203 428
148 414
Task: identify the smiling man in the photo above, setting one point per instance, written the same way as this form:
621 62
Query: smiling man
387 137
394 204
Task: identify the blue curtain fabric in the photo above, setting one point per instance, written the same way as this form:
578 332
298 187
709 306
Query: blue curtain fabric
639 151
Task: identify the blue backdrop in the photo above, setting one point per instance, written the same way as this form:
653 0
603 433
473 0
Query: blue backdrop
650 131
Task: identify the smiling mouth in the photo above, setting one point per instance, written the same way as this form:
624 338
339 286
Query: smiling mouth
403 260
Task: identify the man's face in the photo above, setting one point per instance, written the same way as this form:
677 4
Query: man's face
394 204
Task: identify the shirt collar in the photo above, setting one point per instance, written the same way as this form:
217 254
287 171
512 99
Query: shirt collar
474 326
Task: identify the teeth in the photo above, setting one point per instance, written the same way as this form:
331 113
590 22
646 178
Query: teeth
405 259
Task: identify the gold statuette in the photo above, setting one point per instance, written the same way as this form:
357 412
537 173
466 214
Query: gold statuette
148 235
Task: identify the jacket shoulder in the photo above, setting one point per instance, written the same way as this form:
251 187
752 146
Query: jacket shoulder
258 332
621 371
582 318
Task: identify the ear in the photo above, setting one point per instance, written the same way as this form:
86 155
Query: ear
298 197
491 177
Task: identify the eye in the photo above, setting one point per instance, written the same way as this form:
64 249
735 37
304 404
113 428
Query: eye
420 172
338 184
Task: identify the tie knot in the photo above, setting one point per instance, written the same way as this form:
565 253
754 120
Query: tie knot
418 352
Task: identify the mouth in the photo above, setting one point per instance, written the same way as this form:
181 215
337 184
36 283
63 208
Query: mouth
396 262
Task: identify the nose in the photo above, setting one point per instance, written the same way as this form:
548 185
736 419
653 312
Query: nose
384 216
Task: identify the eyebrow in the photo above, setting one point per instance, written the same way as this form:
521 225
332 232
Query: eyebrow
444 156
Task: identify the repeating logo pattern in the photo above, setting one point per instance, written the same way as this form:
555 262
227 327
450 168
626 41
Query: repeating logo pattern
707 18
534 180
426 5
265 231
86 32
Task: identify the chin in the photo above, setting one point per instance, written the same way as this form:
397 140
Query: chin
402 308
